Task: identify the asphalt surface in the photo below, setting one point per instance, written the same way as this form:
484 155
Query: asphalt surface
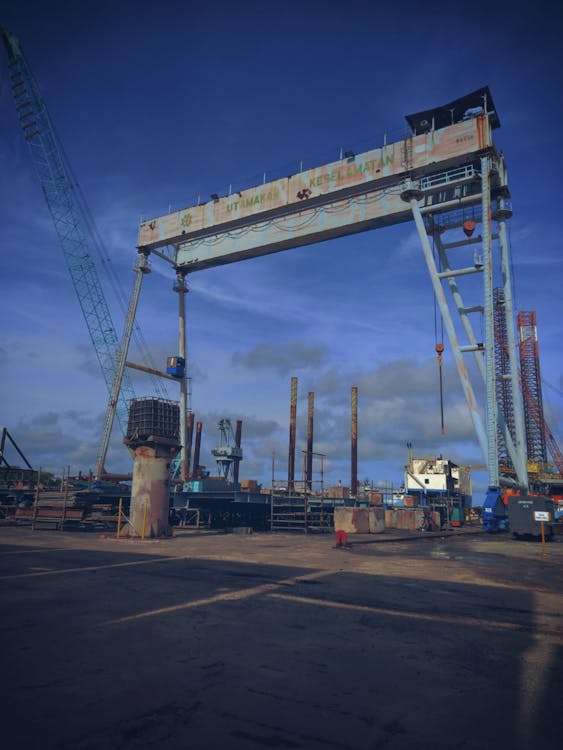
279 641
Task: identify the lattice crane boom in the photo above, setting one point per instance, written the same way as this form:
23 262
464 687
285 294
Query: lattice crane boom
539 436
70 217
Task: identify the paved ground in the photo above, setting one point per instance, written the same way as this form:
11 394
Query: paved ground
230 642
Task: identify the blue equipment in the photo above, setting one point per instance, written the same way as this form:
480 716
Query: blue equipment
494 515
176 366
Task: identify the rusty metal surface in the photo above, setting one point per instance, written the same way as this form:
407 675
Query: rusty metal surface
238 438
197 447
148 516
149 370
352 520
189 439
292 435
376 518
411 518
354 443
368 171
309 455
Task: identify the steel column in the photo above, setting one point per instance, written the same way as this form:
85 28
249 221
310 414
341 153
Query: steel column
189 438
412 197
468 328
181 288
520 458
238 438
354 443
488 307
309 454
141 269
292 432
197 448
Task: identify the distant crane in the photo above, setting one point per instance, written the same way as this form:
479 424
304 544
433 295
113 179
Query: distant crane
538 435
5 435
228 453
77 236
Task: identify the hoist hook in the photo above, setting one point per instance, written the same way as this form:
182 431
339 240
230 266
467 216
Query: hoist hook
439 352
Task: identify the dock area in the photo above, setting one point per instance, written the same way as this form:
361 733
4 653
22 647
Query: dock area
212 639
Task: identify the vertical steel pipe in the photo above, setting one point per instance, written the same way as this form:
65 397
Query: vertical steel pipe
197 448
520 464
490 379
354 443
309 455
189 439
238 438
181 288
292 433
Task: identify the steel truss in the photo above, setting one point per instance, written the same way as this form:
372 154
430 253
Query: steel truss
484 203
503 384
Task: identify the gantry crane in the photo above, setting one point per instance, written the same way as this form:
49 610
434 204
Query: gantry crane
75 231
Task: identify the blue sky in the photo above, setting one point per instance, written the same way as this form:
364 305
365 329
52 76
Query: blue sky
157 103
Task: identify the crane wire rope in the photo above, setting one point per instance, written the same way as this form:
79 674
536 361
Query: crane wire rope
439 341
109 269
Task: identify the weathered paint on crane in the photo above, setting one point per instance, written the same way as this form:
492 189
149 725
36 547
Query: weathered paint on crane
370 173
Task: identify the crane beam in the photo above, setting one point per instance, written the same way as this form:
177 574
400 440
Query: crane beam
354 194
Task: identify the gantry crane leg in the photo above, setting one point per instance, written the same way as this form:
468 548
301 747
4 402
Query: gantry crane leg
412 197
121 358
182 289
484 352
